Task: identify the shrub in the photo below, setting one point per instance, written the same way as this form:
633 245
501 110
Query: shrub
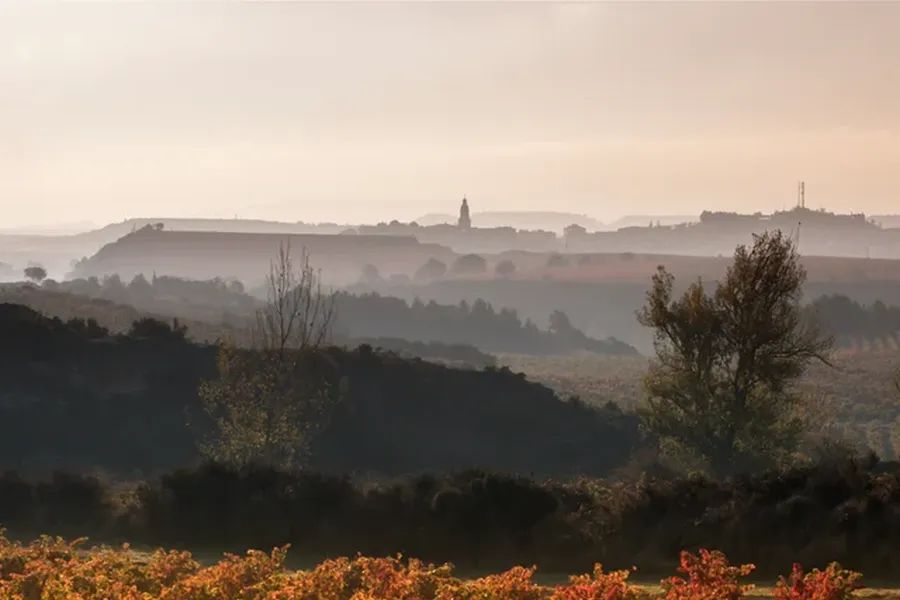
363 578
709 576
599 586
834 583
514 584
255 576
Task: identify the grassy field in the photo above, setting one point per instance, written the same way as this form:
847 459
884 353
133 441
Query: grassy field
855 398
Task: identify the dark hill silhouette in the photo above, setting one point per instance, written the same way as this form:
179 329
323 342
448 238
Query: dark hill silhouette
77 396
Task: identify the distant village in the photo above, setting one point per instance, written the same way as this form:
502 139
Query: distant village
815 231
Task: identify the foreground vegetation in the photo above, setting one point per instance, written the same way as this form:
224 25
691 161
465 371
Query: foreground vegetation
53 569
848 512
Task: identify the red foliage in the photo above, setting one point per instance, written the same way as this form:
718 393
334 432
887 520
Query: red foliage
709 576
834 583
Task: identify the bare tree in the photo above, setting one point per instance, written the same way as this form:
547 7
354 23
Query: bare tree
267 404
298 315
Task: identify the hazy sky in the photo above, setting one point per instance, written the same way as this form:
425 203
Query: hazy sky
362 112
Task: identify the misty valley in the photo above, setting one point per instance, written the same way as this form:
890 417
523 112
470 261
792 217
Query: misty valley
449 300
453 406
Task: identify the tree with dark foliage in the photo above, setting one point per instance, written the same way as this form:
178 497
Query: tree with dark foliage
36 273
721 385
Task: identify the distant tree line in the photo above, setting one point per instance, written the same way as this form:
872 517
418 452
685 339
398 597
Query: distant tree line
363 317
463 355
479 324
847 319
118 317
214 300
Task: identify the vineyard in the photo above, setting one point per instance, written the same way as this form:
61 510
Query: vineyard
853 399
54 569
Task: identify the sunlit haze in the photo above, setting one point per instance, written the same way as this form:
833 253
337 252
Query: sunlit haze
368 112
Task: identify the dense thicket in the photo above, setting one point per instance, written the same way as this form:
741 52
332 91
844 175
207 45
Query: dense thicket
847 511
76 396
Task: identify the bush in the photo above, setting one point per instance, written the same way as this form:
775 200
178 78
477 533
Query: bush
834 583
709 576
599 586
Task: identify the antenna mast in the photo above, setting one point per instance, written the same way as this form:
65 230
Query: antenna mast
801 194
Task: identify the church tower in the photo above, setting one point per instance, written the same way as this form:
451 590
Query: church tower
465 222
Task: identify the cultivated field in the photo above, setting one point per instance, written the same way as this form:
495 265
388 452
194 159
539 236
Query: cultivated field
855 398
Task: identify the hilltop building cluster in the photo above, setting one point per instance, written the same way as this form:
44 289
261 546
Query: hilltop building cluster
464 237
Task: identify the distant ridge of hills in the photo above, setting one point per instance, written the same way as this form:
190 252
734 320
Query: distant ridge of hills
114 231
644 220
494 232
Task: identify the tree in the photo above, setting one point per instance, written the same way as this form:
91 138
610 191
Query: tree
36 273
721 384
560 324
505 268
264 412
370 275
140 289
469 264
235 286
154 329
266 403
297 314
432 269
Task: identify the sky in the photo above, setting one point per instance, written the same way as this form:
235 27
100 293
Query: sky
361 112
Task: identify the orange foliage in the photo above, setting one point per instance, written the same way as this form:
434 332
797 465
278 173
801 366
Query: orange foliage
53 569
709 576
834 583
600 586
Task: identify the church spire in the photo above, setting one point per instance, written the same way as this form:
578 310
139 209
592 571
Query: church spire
465 222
